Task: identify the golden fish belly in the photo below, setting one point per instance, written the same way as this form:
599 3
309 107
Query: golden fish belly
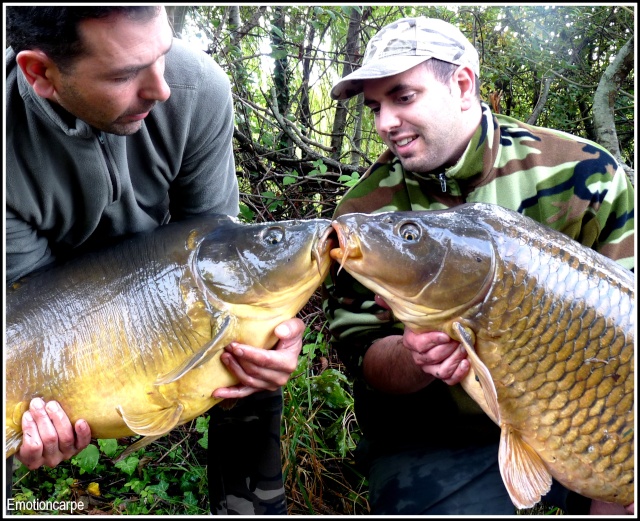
88 383
558 340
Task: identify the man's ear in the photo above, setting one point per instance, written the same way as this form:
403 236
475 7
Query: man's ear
466 81
39 70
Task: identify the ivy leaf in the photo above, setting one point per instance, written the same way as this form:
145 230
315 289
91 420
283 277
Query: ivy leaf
87 459
128 465
108 447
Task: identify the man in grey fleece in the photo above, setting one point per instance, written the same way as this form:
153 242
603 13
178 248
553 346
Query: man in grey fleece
114 127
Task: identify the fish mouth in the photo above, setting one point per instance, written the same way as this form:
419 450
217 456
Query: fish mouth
324 243
348 246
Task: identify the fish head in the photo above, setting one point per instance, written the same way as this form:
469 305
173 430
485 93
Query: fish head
275 265
423 264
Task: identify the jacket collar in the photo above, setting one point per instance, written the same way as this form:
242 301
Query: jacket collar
475 166
44 109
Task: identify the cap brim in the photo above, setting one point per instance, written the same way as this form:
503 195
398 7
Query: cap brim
351 84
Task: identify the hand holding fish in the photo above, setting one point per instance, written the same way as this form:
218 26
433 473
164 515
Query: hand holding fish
260 369
435 353
49 436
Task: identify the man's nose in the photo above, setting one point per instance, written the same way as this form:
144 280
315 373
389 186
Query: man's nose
155 87
387 120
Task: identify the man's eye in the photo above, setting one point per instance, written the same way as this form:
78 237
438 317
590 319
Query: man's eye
124 79
407 98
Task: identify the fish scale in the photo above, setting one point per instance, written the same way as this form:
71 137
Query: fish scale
550 338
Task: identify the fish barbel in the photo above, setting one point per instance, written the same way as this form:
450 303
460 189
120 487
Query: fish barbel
130 338
548 326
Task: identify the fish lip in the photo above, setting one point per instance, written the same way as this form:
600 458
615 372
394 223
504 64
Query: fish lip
326 239
348 248
324 242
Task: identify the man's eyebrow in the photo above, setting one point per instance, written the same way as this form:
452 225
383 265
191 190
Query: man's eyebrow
392 90
131 69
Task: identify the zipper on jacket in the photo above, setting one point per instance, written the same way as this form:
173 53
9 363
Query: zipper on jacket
112 175
443 181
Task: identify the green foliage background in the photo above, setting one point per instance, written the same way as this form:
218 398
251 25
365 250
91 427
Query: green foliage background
297 150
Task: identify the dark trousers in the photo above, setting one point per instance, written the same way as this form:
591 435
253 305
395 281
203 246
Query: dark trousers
245 463
447 481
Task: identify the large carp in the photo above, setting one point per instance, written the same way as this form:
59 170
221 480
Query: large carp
547 323
130 338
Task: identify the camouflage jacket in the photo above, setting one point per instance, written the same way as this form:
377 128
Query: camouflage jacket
565 182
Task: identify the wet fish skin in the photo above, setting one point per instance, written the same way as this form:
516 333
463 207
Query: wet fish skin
130 338
548 324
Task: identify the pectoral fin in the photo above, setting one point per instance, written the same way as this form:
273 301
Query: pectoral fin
524 473
13 429
220 339
143 442
153 423
12 441
466 338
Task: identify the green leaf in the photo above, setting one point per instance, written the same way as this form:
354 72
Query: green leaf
108 447
276 30
190 499
246 214
202 424
87 459
279 54
128 465
159 490
349 180
328 385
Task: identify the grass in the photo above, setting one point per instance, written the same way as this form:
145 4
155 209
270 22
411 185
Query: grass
320 433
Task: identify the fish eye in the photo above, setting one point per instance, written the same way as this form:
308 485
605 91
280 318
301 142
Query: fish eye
273 235
409 232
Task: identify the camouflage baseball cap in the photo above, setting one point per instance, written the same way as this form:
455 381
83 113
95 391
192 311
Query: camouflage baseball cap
405 43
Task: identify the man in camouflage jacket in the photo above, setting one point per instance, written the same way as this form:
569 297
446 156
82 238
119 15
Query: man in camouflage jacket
427 448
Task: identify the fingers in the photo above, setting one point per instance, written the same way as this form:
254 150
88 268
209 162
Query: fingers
438 355
457 371
429 348
48 436
289 332
261 369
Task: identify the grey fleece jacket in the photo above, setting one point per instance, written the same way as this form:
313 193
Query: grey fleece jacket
68 186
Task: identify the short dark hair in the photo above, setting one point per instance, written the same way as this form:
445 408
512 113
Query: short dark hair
54 29
442 71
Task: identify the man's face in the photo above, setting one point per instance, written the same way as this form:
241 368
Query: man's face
418 118
121 77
